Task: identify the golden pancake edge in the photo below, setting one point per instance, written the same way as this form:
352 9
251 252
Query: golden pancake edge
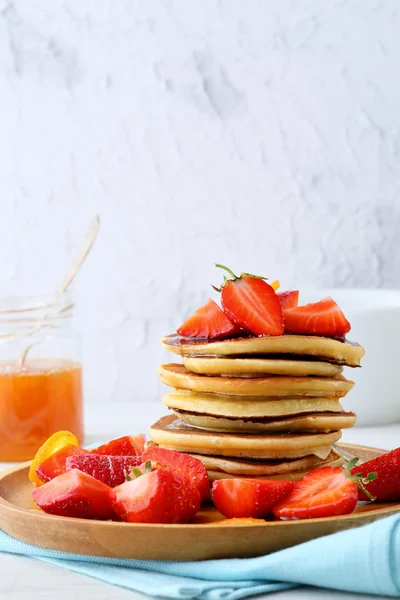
322 422
219 405
169 432
177 376
241 467
256 367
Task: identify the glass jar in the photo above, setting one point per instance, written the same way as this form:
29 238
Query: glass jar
40 374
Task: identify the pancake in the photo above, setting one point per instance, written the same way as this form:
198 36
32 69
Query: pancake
176 375
323 422
254 367
237 467
169 432
219 405
328 349
335 461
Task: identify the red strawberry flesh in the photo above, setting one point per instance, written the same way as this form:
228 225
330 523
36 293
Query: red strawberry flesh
129 445
248 498
289 299
324 492
323 318
208 322
108 469
183 464
160 496
253 305
75 494
56 464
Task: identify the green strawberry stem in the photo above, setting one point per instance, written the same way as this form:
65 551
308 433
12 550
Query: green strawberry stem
358 479
136 472
231 273
233 276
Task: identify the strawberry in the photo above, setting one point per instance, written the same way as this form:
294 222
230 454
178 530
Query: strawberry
155 495
386 485
289 299
183 464
324 492
129 445
209 322
251 303
75 494
56 464
319 318
108 469
248 498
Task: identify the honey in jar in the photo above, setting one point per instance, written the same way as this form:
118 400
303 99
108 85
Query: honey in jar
40 375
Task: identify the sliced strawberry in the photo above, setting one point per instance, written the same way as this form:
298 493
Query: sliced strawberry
319 318
386 486
248 498
75 494
56 464
108 469
183 464
289 299
251 303
158 496
209 322
129 445
324 492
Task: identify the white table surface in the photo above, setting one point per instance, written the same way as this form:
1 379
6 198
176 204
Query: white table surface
25 578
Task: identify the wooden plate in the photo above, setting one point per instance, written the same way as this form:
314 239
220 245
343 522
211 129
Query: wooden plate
211 536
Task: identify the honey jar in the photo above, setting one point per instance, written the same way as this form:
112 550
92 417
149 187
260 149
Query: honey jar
40 374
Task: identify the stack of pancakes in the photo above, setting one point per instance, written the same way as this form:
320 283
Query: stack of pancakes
265 407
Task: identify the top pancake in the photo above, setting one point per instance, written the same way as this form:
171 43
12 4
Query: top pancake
327 349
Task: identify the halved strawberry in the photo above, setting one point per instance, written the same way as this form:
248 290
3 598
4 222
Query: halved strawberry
247 498
183 464
386 486
209 322
156 496
75 494
324 492
56 464
129 445
319 318
251 303
108 469
289 299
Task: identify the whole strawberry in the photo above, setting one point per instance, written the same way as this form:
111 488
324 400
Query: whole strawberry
386 485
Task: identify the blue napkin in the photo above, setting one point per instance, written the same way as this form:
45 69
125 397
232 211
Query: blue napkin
364 560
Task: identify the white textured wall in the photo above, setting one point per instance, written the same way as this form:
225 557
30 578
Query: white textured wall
265 134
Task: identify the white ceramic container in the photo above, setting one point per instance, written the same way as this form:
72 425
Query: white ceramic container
375 319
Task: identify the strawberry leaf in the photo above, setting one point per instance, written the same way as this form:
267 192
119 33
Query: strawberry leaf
370 477
358 479
136 472
351 464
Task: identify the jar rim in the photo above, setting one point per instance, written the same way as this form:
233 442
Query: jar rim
27 312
